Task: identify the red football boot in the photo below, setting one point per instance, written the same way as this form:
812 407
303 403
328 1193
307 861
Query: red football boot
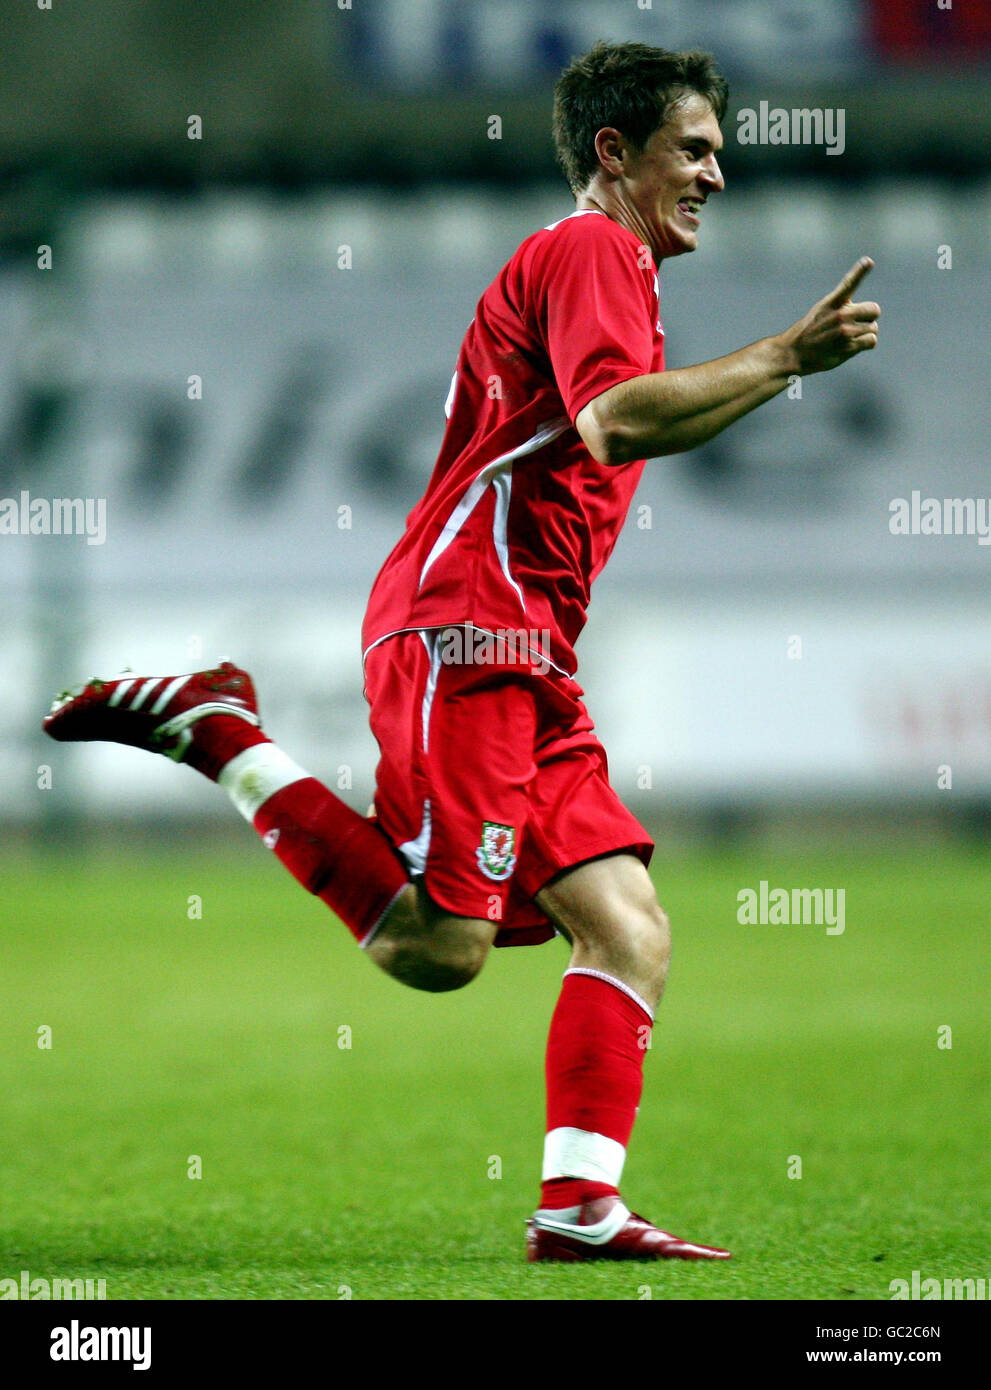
152 712
607 1230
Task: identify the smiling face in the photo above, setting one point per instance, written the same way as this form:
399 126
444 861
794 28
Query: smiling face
658 192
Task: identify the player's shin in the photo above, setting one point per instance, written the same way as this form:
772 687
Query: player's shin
340 857
598 1039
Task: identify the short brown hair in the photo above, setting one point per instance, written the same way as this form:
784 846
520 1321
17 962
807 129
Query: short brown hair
631 87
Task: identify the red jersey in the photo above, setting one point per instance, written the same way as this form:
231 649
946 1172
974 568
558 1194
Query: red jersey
518 518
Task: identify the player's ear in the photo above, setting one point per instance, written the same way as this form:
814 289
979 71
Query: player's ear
610 146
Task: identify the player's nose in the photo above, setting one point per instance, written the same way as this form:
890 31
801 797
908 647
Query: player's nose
712 176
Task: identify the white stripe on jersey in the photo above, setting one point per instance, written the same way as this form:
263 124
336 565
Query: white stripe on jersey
415 851
476 489
502 486
449 403
432 644
578 212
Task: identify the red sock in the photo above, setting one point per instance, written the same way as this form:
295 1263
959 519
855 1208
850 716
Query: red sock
342 858
598 1037
219 739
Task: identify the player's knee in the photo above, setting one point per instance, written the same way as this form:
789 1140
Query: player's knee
434 968
647 937
654 937
428 949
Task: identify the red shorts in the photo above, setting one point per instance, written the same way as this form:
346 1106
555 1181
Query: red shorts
491 781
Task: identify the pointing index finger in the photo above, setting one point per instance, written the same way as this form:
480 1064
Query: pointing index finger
851 280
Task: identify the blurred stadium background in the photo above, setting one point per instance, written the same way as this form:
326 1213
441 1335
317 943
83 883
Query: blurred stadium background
314 257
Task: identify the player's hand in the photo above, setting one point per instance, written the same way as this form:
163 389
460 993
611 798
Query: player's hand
836 328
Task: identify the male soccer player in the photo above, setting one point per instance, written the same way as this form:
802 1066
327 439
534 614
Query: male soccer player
494 822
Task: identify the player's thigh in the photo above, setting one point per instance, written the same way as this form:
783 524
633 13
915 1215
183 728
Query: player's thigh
457 746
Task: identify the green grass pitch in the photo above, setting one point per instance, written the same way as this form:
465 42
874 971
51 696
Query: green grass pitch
403 1166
